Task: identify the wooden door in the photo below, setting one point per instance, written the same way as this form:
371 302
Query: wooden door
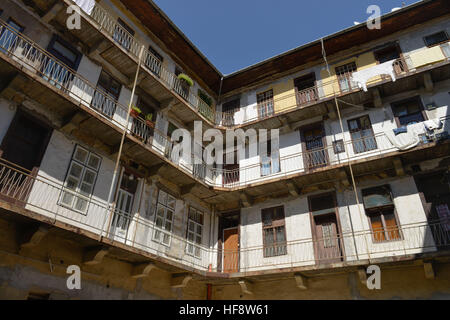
305 88
327 243
231 250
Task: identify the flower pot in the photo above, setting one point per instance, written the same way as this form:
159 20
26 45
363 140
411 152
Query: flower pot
150 123
134 113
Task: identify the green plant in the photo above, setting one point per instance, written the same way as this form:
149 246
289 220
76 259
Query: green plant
186 78
149 117
202 95
136 109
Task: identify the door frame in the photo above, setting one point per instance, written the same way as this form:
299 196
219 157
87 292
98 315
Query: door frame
220 241
303 142
238 248
338 224
313 76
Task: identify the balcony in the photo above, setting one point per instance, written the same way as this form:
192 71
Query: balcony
408 71
111 42
320 159
40 198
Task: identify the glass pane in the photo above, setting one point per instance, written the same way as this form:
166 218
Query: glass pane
191 236
71 183
168 226
86 189
159 222
199 229
80 155
166 239
171 202
67 198
64 51
76 170
169 215
198 240
162 197
94 162
81 204
160 212
89 177
191 226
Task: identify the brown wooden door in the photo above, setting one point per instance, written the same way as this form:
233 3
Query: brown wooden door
327 243
231 250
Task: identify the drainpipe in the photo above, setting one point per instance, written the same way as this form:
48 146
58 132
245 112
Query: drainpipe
119 154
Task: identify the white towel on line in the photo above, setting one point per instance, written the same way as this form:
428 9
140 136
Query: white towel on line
361 77
432 124
86 5
406 140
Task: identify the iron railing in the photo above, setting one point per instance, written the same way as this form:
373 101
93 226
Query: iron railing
42 195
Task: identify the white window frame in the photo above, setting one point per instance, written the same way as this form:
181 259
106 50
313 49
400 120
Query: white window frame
193 247
77 193
160 231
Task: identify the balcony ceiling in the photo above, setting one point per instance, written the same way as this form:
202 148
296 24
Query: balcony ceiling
156 21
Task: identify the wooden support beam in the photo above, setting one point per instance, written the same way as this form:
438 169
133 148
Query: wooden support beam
98 47
343 178
73 121
398 165
180 281
53 12
186 189
141 77
428 82
246 287
429 270
94 255
332 114
142 270
167 104
378 103
155 170
293 189
246 200
285 122
300 280
362 274
33 236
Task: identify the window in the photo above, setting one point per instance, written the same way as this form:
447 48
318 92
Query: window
265 104
362 135
165 211
274 233
381 213
436 39
125 200
408 111
338 146
64 52
228 110
270 163
8 38
194 232
388 53
105 100
80 179
123 34
305 88
154 61
344 74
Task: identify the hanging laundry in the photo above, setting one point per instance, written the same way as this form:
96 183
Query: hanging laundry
361 77
432 124
406 139
86 5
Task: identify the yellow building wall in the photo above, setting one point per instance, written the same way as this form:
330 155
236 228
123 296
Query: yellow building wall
331 84
427 56
284 96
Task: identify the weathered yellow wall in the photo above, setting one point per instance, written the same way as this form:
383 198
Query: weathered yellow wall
399 283
284 96
363 61
427 56
111 279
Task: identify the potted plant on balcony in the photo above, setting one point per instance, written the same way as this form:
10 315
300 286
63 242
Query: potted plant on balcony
185 80
149 120
135 112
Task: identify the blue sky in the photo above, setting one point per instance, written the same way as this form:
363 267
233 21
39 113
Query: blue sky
234 34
